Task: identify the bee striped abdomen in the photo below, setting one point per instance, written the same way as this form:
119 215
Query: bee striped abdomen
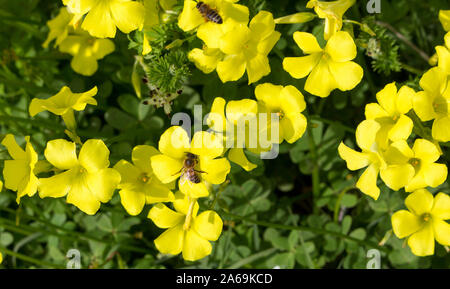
208 13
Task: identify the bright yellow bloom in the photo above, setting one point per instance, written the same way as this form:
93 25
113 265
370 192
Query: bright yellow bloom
424 221
191 18
390 112
174 146
370 157
328 68
86 180
434 102
444 17
150 20
64 103
186 232
138 185
332 12
1 258
413 168
86 50
19 172
103 16
443 54
288 103
206 59
235 136
59 27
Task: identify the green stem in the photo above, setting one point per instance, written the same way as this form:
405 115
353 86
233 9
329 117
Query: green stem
253 258
338 203
411 69
308 229
333 122
30 259
316 169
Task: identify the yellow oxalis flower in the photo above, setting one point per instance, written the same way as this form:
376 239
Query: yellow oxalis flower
434 102
443 53
423 222
177 153
235 127
413 168
64 103
332 12
186 232
191 18
288 103
138 185
103 16
370 157
19 173
59 27
328 68
444 17
1 258
390 112
246 48
86 50
86 180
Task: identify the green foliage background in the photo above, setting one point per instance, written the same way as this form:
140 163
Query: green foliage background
272 215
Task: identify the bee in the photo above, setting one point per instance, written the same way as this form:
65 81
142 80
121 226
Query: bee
188 171
208 13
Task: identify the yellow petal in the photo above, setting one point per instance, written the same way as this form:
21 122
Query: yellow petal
237 110
206 144
127 15
231 68
94 155
444 17
165 168
84 63
216 118
404 223
397 176
190 17
80 196
193 190
163 217
422 242
182 204
307 42
237 156
299 67
402 129
141 156
341 47
15 172
366 133
441 129
292 100
208 225
98 22
171 241
419 202
404 99
128 172
156 192
346 74
58 185
211 34
262 24
423 106
374 111
293 126
174 142
61 154
102 47
434 80
204 62
441 206
269 93
355 160
132 201
103 183
426 151
398 153
387 98
367 183
320 82
216 170
434 174
257 67
233 41
444 58
265 45
195 247
441 232
14 150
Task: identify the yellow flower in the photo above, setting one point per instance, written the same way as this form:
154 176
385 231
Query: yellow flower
434 102
423 222
370 157
86 50
191 18
443 54
86 180
201 154
19 172
444 17
246 48
235 127
332 12
186 232
1 258
413 168
390 112
328 68
150 20
138 185
64 103
206 59
59 27
288 103
104 15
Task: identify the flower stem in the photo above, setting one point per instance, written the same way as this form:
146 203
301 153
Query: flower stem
30 259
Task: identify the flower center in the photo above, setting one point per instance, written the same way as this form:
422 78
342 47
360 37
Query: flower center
91 41
144 178
280 114
426 217
414 162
